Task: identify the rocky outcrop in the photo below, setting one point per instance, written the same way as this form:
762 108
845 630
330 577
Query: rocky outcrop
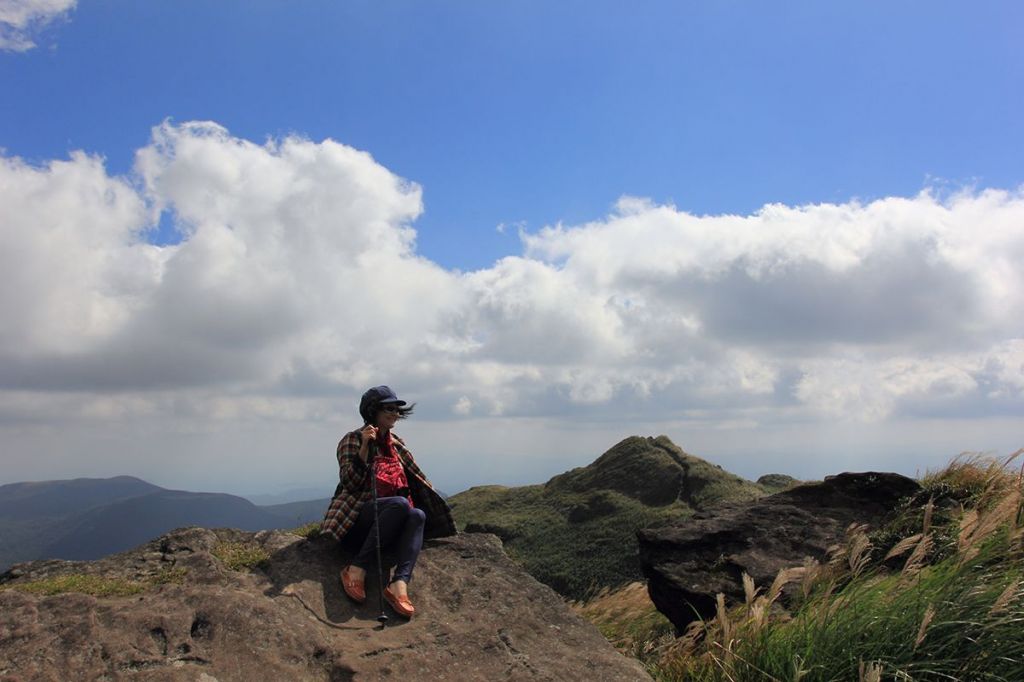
688 564
224 605
655 472
776 483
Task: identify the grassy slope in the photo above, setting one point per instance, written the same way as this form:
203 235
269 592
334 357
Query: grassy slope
576 533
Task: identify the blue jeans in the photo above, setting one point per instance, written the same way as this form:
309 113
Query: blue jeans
401 532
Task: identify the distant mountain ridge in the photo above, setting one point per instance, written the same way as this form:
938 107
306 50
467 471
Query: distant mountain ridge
87 518
577 532
286 497
55 498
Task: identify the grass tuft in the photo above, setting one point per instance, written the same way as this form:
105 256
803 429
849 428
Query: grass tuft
238 556
97 585
628 619
308 531
83 583
170 576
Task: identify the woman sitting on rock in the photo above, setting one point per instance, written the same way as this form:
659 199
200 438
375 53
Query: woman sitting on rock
408 507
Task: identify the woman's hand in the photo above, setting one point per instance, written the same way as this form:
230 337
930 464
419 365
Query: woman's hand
369 433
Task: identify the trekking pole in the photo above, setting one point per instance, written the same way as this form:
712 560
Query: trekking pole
382 618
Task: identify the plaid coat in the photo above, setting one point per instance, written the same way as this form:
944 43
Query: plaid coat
354 489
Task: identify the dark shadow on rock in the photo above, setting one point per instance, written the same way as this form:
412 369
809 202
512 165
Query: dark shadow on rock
321 559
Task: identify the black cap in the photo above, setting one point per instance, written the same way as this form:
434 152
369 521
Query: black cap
378 395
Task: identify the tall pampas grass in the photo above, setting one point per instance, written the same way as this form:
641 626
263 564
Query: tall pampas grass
943 602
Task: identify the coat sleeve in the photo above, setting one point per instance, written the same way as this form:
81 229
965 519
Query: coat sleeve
352 491
353 474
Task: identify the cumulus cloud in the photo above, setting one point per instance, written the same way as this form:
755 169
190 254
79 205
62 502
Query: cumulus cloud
74 262
975 383
901 271
293 255
296 282
866 304
22 20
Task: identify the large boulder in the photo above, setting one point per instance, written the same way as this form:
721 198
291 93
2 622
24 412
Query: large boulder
688 564
226 605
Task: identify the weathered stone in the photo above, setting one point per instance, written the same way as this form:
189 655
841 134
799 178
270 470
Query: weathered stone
776 483
687 565
479 617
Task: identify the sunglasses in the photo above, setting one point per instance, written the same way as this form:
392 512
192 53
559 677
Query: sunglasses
390 408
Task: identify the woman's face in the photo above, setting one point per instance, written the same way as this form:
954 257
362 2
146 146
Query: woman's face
386 417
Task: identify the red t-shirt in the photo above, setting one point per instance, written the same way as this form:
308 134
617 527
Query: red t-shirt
390 472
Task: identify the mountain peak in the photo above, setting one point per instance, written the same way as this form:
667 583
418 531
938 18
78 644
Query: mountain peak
71 496
656 472
577 532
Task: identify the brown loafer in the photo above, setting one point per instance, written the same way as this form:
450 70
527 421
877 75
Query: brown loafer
355 589
401 604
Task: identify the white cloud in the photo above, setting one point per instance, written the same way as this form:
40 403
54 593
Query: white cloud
74 262
871 389
22 20
296 283
869 304
294 255
463 406
894 271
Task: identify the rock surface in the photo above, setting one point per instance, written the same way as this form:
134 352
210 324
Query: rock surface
776 483
687 565
480 617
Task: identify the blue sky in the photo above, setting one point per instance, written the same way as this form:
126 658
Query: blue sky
504 138
533 113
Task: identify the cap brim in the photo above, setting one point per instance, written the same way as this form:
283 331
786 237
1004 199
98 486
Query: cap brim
400 403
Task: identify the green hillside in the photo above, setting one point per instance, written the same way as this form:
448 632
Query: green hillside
577 532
